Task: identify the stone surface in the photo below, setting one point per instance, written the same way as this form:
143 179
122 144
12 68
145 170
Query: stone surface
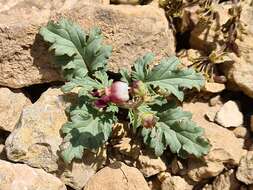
229 115
241 132
205 37
23 177
225 147
150 165
131 30
11 105
173 182
214 87
240 73
245 170
117 176
36 140
226 181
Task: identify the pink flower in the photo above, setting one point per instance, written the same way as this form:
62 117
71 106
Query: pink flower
118 92
102 102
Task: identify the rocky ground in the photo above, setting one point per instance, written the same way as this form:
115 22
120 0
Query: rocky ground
32 104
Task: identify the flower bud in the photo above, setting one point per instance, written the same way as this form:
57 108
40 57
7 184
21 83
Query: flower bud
102 102
118 92
148 120
139 88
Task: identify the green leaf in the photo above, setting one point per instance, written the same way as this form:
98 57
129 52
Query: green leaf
176 130
76 51
140 68
88 129
168 77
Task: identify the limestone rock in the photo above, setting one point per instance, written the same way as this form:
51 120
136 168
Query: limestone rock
150 165
11 105
229 115
36 140
240 73
214 87
241 132
131 30
226 181
128 147
173 182
245 170
21 176
205 37
225 147
117 176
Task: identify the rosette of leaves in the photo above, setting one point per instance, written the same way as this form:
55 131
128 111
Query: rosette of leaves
83 60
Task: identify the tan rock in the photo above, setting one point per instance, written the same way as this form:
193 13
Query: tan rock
150 165
24 57
173 182
241 132
226 181
21 176
225 147
245 170
128 147
202 169
239 74
37 138
11 105
214 87
117 176
229 115
203 36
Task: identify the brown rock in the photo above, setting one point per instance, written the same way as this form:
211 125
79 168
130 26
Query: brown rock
226 181
37 138
133 31
150 165
117 176
239 74
173 182
21 176
245 170
241 132
11 105
225 147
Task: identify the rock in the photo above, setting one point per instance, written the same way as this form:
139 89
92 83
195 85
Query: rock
24 56
229 115
11 105
150 165
214 87
36 140
21 177
128 147
203 36
117 176
215 100
225 147
173 182
241 132
203 169
239 74
245 170
226 181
